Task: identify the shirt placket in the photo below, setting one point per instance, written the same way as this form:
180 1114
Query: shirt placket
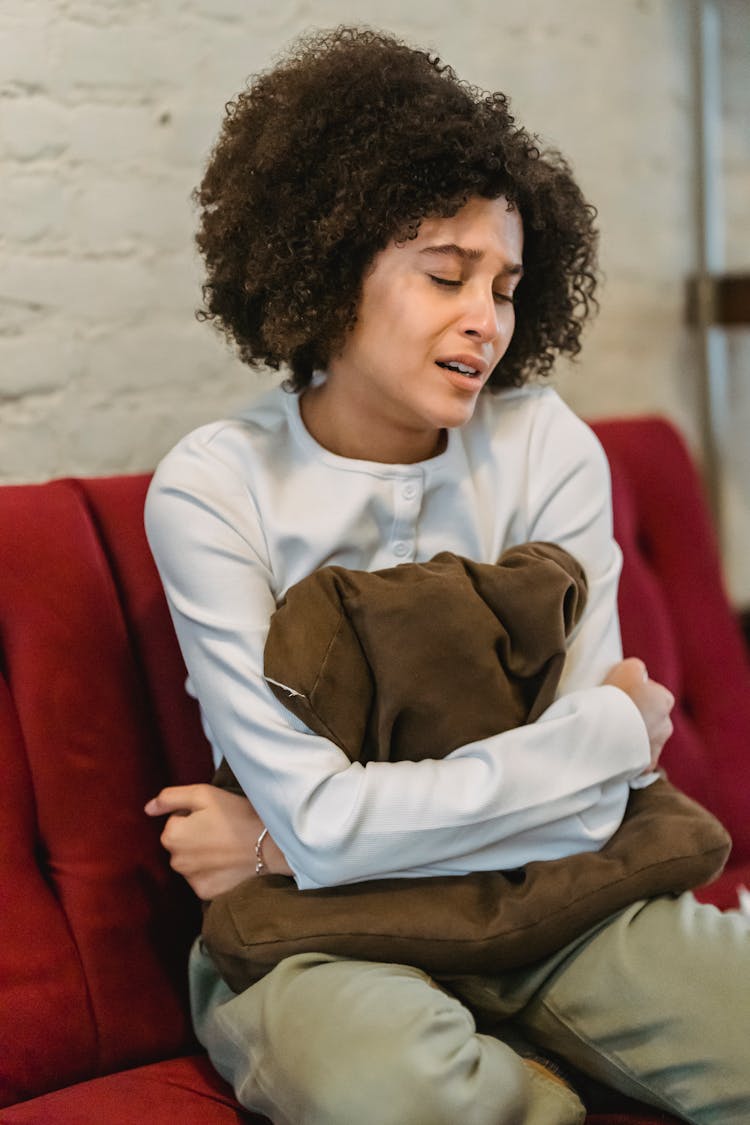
407 502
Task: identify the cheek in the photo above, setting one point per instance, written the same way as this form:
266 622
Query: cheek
506 328
398 304
396 332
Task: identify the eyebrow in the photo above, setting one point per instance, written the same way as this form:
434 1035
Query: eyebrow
470 255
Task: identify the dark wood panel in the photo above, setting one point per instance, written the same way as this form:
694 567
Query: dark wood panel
724 299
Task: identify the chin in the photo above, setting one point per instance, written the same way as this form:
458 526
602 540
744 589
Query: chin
458 414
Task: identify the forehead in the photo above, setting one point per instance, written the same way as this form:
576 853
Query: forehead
490 228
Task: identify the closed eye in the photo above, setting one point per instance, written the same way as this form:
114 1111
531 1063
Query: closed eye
450 283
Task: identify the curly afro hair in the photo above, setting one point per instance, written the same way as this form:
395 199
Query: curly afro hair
344 147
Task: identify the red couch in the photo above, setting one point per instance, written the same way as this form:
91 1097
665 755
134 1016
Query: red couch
94 720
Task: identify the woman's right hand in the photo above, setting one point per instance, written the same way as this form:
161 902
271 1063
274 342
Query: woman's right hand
211 836
653 700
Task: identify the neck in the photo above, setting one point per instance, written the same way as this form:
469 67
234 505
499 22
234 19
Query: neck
364 438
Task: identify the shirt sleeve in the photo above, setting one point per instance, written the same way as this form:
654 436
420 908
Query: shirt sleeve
568 502
553 788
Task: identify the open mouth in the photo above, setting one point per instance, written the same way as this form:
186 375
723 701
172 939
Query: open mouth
461 368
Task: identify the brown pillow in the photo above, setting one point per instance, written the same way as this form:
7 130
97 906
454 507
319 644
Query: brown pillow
416 660
412 662
481 923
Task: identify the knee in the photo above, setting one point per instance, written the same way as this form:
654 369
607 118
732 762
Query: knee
444 1074
343 1041
464 1077
411 1100
462 1095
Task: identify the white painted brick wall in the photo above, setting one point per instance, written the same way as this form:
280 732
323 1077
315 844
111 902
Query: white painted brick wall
109 107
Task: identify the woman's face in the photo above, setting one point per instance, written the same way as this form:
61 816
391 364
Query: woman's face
435 317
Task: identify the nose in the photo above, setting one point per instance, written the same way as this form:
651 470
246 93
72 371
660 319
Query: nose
481 320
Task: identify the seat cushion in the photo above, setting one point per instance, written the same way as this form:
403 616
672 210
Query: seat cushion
185 1090
188 1091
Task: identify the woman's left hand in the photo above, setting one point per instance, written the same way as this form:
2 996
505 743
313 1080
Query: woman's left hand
211 836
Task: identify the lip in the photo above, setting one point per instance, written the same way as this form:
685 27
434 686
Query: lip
481 366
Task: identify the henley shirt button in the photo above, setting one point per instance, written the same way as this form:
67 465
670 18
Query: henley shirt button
410 491
400 549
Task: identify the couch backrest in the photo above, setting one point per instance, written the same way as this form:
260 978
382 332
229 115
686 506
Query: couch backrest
94 720
675 614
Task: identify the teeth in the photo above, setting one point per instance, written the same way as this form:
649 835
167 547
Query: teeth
454 365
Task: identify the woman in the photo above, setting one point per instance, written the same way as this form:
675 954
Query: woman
391 238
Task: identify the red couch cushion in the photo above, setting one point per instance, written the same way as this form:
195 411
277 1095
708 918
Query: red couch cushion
187 1091
95 923
676 615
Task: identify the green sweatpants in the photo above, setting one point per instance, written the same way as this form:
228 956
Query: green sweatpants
655 1002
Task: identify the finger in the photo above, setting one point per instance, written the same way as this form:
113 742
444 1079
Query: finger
178 798
627 672
636 668
171 837
662 696
178 833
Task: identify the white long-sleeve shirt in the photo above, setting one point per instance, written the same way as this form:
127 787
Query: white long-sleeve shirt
243 508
